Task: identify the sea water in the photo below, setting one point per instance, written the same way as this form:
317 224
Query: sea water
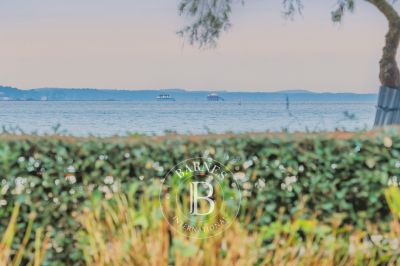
107 118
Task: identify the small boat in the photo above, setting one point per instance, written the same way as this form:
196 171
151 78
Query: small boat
214 97
165 97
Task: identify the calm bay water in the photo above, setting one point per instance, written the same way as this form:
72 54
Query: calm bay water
111 118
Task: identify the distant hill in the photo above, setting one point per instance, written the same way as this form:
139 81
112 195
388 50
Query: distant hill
294 91
66 94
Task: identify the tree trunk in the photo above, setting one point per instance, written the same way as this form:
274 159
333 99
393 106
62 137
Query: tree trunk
388 108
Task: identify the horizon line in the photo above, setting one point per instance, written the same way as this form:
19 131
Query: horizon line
292 91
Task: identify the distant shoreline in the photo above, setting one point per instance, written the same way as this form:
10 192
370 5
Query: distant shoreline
205 101
66 94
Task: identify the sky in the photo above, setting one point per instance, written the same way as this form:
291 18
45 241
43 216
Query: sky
132 44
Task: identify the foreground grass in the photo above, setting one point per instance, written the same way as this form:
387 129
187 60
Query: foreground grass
126 230
114 232
14 257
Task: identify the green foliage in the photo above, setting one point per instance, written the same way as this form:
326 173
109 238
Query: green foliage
53 177
342 7
211 17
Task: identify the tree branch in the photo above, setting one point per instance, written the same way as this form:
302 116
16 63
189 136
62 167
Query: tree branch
389 71
386 9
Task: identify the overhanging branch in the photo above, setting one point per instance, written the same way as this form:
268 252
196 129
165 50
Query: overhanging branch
386 9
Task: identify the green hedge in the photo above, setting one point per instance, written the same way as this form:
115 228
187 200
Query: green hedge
51 175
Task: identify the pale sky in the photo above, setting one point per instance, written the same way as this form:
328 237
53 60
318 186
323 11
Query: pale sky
131 44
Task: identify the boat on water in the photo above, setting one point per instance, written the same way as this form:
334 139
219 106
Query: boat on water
165 97
213 97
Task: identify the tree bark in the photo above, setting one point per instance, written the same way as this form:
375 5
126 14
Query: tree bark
388 109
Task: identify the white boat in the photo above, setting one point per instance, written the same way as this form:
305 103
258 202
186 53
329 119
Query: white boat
165 97
214 97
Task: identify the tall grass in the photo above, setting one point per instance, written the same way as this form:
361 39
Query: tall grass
124 231
15 257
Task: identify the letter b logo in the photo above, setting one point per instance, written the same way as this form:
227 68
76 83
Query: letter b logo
195 197
199 197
